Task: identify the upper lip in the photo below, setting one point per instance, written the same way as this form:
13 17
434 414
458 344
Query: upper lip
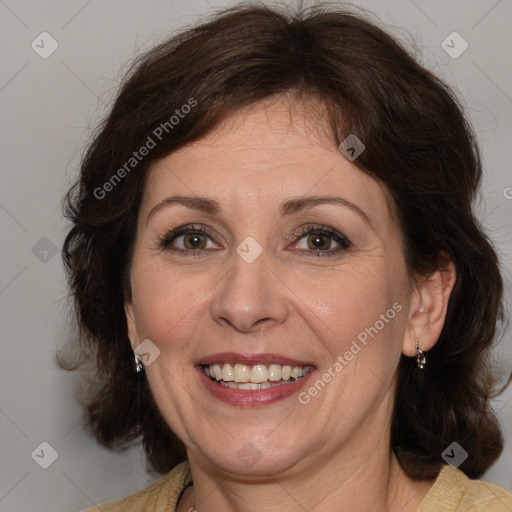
251 360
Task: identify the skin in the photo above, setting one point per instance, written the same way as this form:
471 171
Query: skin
333 453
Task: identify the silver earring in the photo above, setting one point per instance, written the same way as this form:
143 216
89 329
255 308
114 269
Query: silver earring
139 366
421 360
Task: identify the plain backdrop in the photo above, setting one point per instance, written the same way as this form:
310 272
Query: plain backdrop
49 107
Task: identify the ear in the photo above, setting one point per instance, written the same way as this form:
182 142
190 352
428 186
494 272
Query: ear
131 324
428 308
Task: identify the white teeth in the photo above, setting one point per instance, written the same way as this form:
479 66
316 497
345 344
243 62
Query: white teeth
241 373
217 371
227 373
258 375
296 372
248 385
286 372
252 385
274 372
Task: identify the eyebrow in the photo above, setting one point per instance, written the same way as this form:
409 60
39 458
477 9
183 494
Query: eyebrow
287 208
304 203
202 204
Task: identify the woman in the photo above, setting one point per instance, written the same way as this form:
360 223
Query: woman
274 259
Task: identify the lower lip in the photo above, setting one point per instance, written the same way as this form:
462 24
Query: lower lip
252 397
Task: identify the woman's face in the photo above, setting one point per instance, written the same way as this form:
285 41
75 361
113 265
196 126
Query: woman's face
286 255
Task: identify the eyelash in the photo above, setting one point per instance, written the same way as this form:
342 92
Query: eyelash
342 240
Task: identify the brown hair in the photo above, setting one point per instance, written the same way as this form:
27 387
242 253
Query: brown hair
418 144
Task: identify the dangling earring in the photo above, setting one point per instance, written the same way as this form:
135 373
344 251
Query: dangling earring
139 366
421 360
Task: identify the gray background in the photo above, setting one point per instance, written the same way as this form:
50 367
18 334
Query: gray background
48 107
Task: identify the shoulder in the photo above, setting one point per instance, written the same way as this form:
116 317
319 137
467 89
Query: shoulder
159 496
453 491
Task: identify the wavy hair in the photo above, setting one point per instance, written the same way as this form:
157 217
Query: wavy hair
418 144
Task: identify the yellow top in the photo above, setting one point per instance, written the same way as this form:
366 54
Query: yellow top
452 491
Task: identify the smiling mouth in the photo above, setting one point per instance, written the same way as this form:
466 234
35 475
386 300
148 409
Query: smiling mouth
258 376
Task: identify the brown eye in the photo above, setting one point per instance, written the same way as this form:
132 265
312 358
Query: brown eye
189 240
194 241
319 242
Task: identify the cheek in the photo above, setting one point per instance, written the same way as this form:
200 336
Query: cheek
165 303
341 304
354 304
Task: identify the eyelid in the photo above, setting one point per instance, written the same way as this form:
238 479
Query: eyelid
308 229
173 233
299 233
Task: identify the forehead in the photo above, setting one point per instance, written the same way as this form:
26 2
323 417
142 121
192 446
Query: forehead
262 155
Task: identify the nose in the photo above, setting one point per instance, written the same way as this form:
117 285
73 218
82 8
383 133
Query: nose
250 297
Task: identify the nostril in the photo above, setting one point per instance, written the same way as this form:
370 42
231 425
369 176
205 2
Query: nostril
260 324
